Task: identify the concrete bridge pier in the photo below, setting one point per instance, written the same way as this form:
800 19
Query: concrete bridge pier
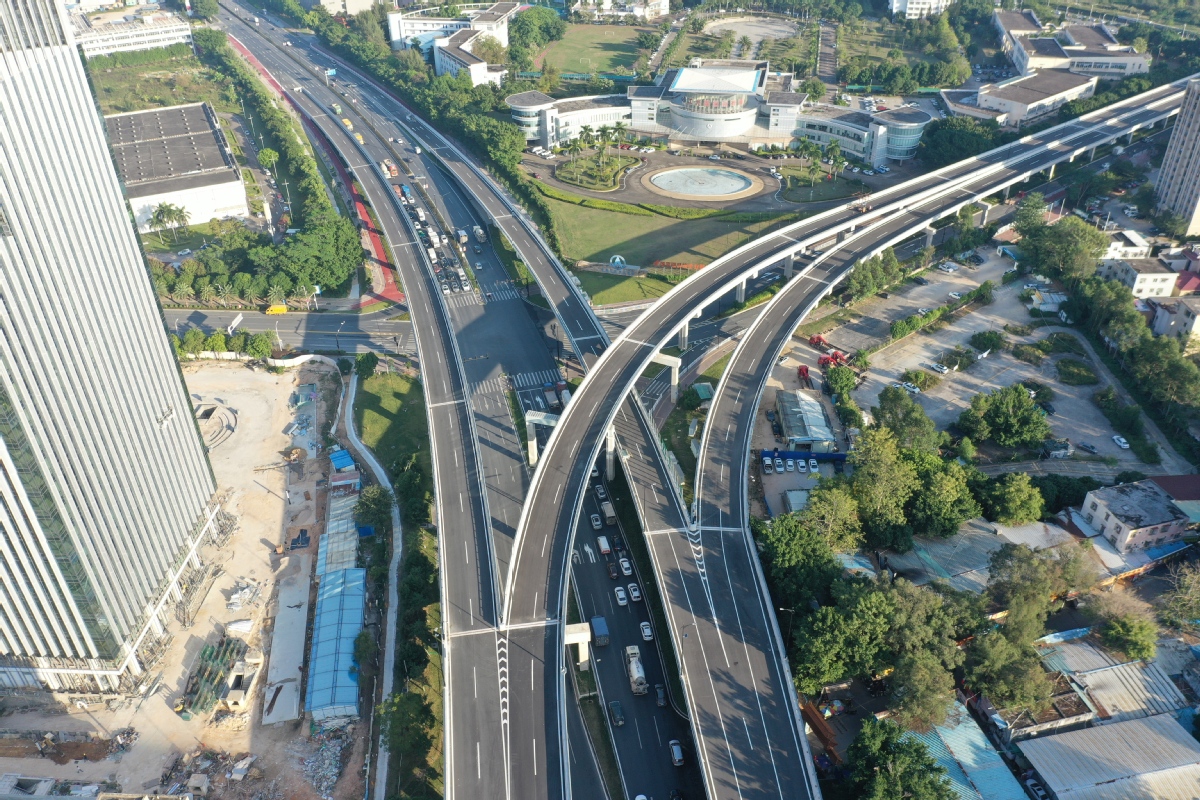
673 363
929 234
740 292
1092 154
610 453
789 266
683 335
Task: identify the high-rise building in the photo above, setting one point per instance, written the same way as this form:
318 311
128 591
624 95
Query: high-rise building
915 9
1179 179
105 487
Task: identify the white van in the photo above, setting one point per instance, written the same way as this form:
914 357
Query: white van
602 543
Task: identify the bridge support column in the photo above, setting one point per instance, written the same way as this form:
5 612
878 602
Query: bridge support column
1092 154
683 335
610 453
1129 138
1050 172
789 266
1006 188
929 233
533 449
740 293
673 363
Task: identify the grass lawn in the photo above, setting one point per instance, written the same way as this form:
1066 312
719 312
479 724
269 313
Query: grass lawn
801 190
191 239
604 288
675 434
591 234
171 82
594 48
389 412
717 370
1074 372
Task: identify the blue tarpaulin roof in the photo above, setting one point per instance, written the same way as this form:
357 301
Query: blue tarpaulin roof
341 459
332 678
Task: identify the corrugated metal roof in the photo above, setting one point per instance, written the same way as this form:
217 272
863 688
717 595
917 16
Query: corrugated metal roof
341 459
1129 691
338 548
332 677
975 769
1151 757
1074 656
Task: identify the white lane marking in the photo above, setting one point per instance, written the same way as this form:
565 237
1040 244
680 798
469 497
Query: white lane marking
467 553
728 430
475 679
462 509
535 756
557 492
456 457
535 599
471 610
531 686
544 545
638 727
657 732
748 739
478 764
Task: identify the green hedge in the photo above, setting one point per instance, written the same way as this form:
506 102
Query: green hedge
679 212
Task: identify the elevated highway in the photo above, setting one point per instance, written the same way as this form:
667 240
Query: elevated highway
748 702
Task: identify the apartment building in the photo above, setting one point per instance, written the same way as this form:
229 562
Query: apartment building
1135 515
117 33
1179 179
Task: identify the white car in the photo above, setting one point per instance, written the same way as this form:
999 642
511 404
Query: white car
626 568
622 598
911 388
812 465
1121 442
940 369
184 252
855 169
923 311
635 593
896 386
956 295
1031 285
597 523
790 464
868 172
647 633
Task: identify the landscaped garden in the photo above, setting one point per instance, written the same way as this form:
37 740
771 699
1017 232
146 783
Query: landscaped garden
594 49
598 173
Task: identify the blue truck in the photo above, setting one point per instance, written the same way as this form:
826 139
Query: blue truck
599 631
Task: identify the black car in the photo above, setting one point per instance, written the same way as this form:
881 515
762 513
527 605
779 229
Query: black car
1091 448
1048 408
921 281
612 571
839 467
660 695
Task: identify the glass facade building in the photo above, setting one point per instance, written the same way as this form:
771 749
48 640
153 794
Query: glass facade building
105 486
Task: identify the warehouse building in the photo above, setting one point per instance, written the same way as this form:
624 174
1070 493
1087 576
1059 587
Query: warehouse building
332 690
803 421
1026 98
176 155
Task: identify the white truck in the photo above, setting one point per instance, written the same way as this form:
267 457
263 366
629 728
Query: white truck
637 673
479 235
462 236
421 214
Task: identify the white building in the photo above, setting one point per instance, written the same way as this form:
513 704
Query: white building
1145 277
177 155
1012 25
726 101
915 9
105 486
1126 244
1178 317
117 33
1086 49
639 9
339 7
425 26
452 39
1029 97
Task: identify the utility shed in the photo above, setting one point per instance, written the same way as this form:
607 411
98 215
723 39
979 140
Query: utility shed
1152 758
1130 691
802 419
975 769
332 697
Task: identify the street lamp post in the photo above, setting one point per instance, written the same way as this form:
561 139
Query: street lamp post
338 339
791 622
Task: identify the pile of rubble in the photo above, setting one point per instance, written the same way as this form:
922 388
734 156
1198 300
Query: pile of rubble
229 721
244 594
121 741
323 768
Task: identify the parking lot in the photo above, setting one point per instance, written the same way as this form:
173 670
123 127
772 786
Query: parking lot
1076 416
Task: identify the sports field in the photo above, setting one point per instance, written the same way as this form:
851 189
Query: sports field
594 48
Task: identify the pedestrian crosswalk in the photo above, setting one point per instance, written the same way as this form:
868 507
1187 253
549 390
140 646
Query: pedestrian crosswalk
463 300
525 380
489 386
502 294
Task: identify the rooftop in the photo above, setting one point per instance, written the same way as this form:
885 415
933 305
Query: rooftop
1129 238
1018 21
1179 487
1153 758
1131 691
496 12
1091 36
106 24
786 98
1045 46
529 100
640 92
598 101
975 769
903 116
839 114
717 80
802 417
1038 87
457 43
337 620
1139 504
1142 266
166 149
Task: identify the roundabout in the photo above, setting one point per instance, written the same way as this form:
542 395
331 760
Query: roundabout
705 184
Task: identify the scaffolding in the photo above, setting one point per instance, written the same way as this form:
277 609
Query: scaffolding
208 679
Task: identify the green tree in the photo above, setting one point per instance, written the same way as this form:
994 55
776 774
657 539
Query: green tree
1009 674
966 449
406 722
193 341
259 346
1030 216
205 9
882 484
922 691
1182 601
832 514
945 500
489 49
365 364
797 558
842 380
215 343
1133 635
888 764
365 651
1013 500
1008 416
904 417
374 507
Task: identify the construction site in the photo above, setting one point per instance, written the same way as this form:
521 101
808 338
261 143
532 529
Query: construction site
254 697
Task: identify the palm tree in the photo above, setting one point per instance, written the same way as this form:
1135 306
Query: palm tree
301 293
160 218
180 217
161 288
251 296
184 292
207 293
605 136
224 293
834 150
587 135
276 295
814 172
619 130
574 149
839 163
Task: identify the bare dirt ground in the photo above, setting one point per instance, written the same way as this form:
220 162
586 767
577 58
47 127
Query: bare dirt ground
269 504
